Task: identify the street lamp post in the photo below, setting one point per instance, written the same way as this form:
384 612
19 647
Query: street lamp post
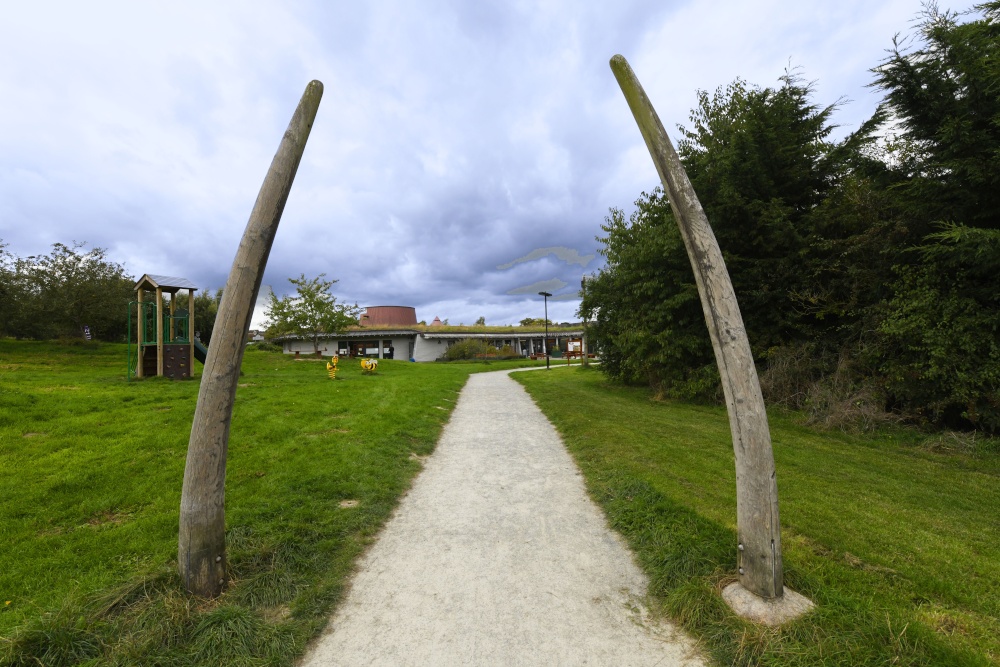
545 345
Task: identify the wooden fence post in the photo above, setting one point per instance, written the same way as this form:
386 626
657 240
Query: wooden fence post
201 550
758 528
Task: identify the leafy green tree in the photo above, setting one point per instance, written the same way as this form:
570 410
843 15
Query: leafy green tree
643 305
535 322
9 297
761 163
939 352
313 310
942 95
206 307
481 322
60 293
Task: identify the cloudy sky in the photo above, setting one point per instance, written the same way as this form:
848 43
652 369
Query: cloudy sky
464 156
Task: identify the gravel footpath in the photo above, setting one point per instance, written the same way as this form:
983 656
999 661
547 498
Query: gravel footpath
497 556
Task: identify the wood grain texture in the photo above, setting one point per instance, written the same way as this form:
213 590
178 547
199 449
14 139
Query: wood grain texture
159 332
190 331
201 543
139 324
759 533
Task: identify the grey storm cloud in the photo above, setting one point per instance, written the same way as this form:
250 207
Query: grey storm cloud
568 255
552 285
452 136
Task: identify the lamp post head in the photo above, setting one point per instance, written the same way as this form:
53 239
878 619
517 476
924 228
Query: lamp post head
545 294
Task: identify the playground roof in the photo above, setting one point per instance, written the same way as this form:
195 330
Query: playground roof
165 283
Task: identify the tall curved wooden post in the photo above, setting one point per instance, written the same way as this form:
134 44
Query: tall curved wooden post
757 524
201 551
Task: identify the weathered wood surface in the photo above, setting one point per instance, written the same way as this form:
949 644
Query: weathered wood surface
159 332
140 324
759 533
201 544
190 331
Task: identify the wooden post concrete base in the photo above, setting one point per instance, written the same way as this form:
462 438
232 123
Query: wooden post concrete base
773 612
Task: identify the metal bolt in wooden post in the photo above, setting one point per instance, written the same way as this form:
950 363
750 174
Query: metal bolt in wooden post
759 533
201 548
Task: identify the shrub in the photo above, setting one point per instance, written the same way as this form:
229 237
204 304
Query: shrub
470 348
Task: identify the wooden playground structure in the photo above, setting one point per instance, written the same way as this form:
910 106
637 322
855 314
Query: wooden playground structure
165 343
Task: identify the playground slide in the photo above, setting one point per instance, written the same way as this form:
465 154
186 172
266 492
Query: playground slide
200 351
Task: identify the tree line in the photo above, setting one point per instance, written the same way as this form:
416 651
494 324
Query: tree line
72 290
867 268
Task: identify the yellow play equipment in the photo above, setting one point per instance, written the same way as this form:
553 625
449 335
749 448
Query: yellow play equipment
369 365
331 367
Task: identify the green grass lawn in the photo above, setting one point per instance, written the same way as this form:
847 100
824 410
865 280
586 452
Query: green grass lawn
91 466
896 544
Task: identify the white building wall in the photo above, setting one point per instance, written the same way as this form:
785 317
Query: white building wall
400 347
306 347
428 349
327 347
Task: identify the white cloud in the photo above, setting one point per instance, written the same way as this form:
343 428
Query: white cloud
550 285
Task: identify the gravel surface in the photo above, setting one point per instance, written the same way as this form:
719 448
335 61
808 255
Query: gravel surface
497 556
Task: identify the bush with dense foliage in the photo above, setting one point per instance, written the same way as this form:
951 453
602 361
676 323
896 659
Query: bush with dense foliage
476 348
